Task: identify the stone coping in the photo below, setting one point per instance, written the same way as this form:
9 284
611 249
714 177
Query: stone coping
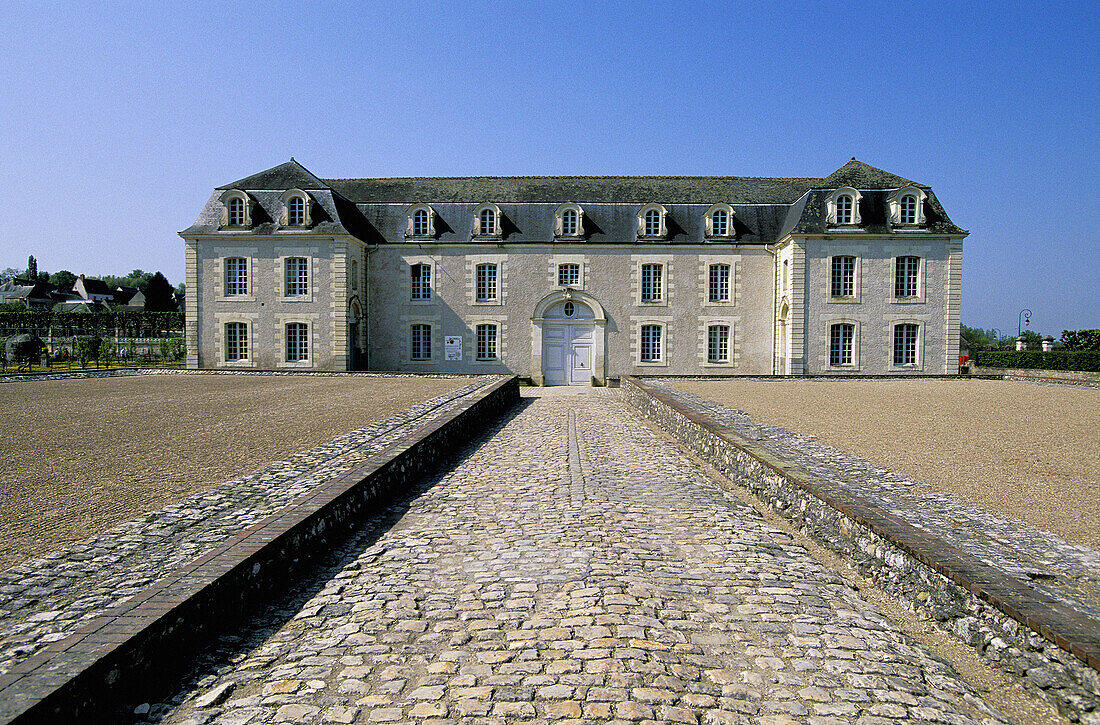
127 372
1044 615
147 642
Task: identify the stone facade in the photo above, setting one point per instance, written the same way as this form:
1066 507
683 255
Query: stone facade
575 279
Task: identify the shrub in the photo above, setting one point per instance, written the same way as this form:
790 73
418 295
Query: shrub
1037 360
1081 339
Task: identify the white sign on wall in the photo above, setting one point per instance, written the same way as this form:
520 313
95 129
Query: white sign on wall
452 347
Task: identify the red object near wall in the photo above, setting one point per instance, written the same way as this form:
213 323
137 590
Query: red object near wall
963 359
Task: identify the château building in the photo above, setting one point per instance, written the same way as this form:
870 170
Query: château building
575 279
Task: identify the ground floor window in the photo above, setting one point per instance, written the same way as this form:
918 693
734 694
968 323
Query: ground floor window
651 343
486 342
236 341
718 343
297 342
905 344
421 338
840 343
569 275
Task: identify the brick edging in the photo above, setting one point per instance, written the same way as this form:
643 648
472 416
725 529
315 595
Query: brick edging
145 644
860 529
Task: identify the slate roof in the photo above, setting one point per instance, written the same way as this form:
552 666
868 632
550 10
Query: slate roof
766 208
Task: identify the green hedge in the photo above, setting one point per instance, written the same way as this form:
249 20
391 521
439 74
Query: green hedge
128 323
1037 360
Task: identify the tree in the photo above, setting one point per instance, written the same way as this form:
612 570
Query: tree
63 280
158 294
1032 340
9 273
1081 339
32 268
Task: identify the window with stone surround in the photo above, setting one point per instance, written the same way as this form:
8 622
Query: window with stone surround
842 276
652 282
420 337
906 277
486 282
297 342
296 274
841 340
718 344
236 276
486 336
650 347
718 288
421 276
236 341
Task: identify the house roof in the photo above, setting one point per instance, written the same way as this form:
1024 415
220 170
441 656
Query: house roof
370 207
94 286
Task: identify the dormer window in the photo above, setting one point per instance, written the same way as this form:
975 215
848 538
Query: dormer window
569 221
421 222
236 212
718 221
236 209
296 212
296 209
487 221
906 206
652 222
842 207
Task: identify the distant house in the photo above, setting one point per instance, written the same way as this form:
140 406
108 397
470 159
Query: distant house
31 294
130 298
93 290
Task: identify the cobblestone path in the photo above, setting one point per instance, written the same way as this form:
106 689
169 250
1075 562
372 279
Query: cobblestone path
573 566
43 600
1067 572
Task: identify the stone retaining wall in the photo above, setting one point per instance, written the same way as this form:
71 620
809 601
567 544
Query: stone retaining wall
1024 632
147 643
1071 377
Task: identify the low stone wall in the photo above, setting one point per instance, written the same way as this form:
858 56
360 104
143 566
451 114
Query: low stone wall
149 642
1024 632
1071 377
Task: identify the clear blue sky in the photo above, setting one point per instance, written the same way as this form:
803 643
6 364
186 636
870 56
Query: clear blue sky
120 118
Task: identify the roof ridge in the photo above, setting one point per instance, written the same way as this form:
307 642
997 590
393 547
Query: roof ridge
582 176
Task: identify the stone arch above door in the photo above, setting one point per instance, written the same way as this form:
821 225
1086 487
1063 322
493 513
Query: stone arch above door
598 318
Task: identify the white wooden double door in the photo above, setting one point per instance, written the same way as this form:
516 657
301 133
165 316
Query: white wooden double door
567 352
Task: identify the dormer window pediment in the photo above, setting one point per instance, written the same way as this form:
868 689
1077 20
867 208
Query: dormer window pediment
297 207
842 207
906 207
236 209
718 222
487 222
421 222
652 222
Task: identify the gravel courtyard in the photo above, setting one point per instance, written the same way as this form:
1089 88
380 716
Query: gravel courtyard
81 456
1025 451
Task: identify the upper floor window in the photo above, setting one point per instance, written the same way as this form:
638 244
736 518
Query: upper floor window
236 276
297 342
296 208
569 274
296 272
718 344
718 283
906 277
652 283
355 274
905 344
486 282
421 275
296 212
236 209
841 338
650 347
420 339
906 206
236 212
421 222
486 342
843 275
653 222
570 221
487 221
842 207
718 221
236 341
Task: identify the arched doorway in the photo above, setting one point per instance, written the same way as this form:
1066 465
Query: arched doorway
568 339
784 332
358 357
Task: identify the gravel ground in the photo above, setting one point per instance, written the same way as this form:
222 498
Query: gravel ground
1020 450
81 456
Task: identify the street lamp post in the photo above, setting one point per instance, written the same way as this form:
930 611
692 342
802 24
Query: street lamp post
1024 319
